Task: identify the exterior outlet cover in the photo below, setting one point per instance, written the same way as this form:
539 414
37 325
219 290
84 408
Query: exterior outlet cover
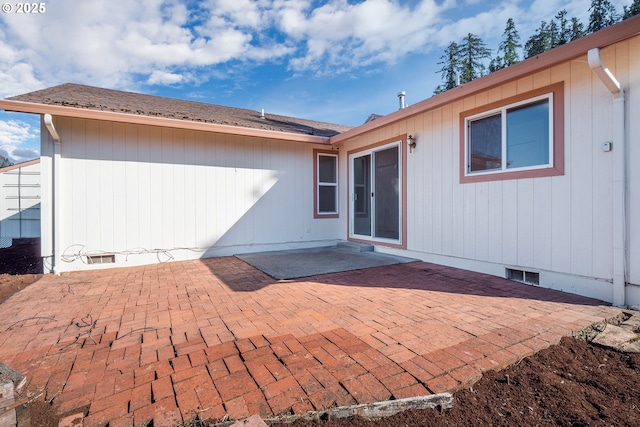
606 146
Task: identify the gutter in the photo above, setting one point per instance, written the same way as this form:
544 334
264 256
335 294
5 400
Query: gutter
619 176
55 192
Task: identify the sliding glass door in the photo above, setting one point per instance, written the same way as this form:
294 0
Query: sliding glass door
375 193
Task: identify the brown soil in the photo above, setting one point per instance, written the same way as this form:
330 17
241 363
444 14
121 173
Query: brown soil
573 384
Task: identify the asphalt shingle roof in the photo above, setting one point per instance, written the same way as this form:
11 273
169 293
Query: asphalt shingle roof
94 98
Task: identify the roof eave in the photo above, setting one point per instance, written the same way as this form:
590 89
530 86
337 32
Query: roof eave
112 116
616 33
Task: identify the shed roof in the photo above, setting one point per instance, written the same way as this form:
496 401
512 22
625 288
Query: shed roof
100 99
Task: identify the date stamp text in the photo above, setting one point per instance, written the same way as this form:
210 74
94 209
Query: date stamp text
24 8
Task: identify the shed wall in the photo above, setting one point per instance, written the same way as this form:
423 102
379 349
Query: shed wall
19 202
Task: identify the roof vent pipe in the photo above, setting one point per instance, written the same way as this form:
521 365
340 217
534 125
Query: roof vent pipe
401 100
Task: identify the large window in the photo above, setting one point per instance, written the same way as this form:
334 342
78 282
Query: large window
521 137
326 184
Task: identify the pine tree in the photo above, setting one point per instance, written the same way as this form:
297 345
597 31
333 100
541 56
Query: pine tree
603 14
564 32
472 53
632 10
577 29
450 67
538 42
508 46
4 161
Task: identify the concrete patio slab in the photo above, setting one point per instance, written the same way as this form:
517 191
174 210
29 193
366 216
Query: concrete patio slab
218 338
294 264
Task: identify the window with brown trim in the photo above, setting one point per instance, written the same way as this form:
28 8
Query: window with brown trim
519 137
325 172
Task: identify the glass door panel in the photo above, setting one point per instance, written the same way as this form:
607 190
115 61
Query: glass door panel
386 196
362 195
375 187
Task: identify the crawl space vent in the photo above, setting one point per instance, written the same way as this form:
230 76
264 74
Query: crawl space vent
523 276
101 259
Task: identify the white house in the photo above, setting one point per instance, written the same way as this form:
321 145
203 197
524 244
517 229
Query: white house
529 173
19 202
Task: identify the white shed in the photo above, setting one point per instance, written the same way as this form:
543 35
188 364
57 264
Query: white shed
19 202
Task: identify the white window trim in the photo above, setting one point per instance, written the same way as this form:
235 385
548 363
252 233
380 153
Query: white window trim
319 184
503 112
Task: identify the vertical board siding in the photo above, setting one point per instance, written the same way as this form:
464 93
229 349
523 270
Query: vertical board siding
130 189
633 146
561 223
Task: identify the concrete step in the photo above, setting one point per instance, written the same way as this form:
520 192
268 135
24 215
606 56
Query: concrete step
355 246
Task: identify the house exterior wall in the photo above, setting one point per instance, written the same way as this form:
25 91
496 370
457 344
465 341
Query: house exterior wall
559 226
149 194
19 202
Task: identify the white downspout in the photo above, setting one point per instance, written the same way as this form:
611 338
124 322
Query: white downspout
619 177
55 181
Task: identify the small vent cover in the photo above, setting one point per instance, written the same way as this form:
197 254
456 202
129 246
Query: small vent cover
101 259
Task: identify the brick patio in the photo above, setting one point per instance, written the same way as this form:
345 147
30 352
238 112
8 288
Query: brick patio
217 337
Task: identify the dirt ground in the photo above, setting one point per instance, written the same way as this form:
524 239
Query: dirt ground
574 384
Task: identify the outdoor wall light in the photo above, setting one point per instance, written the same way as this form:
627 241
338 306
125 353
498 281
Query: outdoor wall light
411 142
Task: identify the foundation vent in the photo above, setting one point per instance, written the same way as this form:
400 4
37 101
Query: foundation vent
523 276
101 259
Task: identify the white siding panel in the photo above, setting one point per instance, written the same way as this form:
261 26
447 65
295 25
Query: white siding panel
469 218
119 183
132 186
633 192
510 222
581 191
481 223
525 236
189 195
422 196
494 222
106 171
146 220
437 177
542 223
94 189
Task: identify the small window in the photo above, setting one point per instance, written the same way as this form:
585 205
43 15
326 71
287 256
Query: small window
326 184
512 137
519 137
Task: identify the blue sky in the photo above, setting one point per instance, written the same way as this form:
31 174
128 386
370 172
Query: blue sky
336 61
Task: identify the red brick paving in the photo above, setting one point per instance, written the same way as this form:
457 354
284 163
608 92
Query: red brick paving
216 338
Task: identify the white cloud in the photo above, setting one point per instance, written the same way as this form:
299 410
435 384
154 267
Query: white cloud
166 42
14 135
159 77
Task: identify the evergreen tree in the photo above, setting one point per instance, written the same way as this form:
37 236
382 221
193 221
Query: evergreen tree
473 51
538 42
603 14
450 67
508 47
4 161
632 10
577 29
564 32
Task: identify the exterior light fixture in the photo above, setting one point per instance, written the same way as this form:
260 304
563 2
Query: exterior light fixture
411 142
